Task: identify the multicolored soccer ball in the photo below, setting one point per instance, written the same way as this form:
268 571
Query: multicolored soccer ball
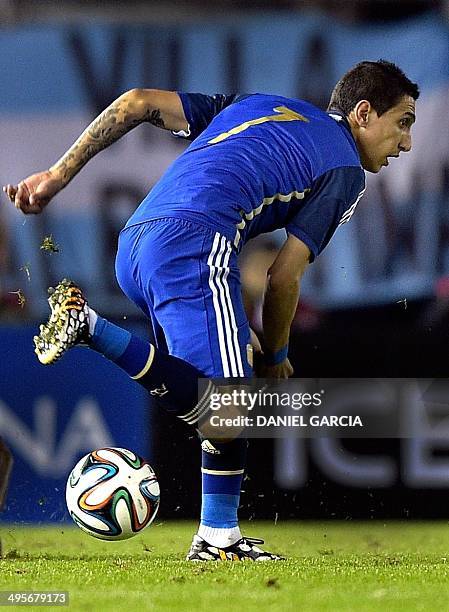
112 494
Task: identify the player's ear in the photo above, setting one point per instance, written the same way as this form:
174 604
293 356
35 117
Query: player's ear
361 112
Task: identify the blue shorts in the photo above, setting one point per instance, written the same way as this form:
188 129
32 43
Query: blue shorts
185 278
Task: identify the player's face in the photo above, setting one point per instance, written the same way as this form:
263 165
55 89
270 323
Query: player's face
386 136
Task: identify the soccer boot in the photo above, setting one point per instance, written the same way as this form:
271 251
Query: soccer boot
68 323
244 549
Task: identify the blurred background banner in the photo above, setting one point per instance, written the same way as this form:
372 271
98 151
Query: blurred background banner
57 78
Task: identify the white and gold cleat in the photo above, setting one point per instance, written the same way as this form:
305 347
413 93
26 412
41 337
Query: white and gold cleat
68 324
245 549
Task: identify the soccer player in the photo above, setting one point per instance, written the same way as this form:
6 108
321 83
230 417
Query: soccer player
257 163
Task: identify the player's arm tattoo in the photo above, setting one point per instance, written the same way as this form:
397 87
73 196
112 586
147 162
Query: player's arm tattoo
155 118
119 118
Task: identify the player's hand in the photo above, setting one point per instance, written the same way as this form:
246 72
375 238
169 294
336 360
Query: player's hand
255 342
261 369
258 361
281 370
34 193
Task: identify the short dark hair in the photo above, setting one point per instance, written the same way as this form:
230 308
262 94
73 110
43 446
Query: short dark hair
382 83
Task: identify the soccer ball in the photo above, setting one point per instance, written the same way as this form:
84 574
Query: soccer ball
112 494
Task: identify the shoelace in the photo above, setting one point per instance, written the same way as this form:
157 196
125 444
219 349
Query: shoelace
253 540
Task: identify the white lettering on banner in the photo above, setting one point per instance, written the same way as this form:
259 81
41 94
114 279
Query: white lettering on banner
85 431
422 466
425 426
16 433
40 448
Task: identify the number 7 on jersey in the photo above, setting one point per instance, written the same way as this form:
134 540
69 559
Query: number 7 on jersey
284 114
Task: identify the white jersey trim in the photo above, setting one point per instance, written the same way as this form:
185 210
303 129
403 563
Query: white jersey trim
348 214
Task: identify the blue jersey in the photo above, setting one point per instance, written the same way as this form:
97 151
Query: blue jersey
259 163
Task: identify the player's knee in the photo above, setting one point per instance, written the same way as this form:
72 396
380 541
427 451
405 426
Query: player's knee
226 418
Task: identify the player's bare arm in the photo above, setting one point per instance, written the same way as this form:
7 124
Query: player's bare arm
281 301
162 109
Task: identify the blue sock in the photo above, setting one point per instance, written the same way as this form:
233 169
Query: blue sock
171 381
222 475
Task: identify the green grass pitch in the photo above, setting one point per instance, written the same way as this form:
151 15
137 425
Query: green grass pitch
332 566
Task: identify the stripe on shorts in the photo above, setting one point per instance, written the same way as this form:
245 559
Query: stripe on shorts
218 262
235 337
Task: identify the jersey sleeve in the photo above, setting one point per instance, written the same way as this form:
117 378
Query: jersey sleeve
200 109
331 202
